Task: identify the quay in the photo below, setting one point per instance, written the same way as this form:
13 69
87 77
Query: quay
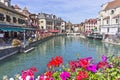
76 35
4 53
73 34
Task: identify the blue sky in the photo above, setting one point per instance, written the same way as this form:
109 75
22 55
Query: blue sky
75 11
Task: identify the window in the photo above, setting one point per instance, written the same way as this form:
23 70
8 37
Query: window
14 19
42 27
116 20
112 11
107 29
6 3
41 21
8 19
21 21
107 22
2 17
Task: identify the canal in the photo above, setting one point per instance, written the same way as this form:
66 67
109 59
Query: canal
70 48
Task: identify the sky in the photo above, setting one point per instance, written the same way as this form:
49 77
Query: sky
75 11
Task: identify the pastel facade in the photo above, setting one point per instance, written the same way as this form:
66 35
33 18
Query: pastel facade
109 18
90 25
50 21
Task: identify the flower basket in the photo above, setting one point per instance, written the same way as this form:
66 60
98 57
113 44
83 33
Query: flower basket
16 42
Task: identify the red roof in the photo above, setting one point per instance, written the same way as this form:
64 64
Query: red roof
113 4
91 21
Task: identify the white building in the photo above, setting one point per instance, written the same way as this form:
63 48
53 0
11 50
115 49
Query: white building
109 18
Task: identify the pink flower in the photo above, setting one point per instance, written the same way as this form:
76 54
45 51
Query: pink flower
92 68
64 75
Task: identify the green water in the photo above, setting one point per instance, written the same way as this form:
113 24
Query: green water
70 48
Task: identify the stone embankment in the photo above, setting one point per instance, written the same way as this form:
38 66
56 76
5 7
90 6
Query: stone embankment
4 53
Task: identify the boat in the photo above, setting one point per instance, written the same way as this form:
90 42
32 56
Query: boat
95 36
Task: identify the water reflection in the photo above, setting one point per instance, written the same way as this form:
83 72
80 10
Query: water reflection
69 48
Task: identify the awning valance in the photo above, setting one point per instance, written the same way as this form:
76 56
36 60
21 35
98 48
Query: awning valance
29 28
9 29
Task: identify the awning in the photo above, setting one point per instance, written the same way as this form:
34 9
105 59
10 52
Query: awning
29 28
54 31
14 29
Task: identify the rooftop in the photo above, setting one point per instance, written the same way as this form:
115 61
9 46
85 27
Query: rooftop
112 4
10 9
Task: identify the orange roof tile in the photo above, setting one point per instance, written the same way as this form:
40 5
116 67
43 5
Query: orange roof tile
113 4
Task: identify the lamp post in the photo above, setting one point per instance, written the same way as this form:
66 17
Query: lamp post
118 23
24 39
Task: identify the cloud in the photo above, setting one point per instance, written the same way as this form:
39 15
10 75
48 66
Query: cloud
73 10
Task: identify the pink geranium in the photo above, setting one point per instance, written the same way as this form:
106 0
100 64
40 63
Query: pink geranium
64 75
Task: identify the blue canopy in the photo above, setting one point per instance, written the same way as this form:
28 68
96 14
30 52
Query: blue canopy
14 29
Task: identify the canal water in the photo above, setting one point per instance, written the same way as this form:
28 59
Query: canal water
70 48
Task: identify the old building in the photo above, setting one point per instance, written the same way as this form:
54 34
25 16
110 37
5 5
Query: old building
76 27
82 27
109 18
50 21
91 25
69 27
11 21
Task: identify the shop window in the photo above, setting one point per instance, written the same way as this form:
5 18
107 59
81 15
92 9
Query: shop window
2 17
8 19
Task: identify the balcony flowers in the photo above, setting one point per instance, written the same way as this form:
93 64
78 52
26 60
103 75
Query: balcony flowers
16 42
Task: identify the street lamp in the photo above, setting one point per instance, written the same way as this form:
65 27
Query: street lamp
118 23
24 39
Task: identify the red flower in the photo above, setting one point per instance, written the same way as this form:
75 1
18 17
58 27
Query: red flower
102 64
82 75
34 69
48 74
83 63
73 65
55 62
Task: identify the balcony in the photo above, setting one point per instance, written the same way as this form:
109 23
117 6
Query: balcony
111 26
